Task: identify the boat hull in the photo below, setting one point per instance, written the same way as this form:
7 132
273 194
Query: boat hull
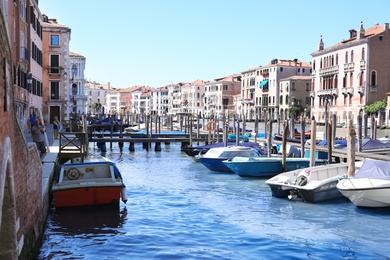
313 184
215 164
266 167
87 196
360 194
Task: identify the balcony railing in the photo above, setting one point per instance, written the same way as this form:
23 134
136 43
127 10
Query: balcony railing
362 64
329 70
346 91
24 54
328 92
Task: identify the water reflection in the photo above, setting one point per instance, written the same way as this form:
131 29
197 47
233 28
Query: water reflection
92 220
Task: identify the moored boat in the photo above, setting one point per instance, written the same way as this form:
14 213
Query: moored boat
214 157
370 187
312 184
266 166
93 181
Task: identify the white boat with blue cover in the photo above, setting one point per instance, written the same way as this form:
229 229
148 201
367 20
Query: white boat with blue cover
370 187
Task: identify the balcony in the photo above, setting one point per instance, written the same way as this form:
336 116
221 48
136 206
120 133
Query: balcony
347 91
329 70
361 90
80 97
328 92
362 64
24 54
264 73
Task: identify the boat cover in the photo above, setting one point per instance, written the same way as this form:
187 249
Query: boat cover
374 169
367 144
260 148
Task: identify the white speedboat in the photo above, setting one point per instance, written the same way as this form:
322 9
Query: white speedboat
312 184
370 187
92 181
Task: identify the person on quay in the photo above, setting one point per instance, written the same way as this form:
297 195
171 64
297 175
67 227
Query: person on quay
38 131
56 127
32 121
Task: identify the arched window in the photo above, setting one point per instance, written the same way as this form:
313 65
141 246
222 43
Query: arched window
346 57
74 71
332 60
351 56
351 80
373 78
337 59
314 65
286 99
281 100
363 53
361 83
321 64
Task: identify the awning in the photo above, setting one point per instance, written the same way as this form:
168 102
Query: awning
263 82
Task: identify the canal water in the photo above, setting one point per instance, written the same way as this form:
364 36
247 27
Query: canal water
178 209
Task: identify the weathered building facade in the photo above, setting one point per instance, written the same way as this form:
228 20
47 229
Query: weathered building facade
21 218
351 74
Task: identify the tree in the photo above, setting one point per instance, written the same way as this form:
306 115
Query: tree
96 107
375 107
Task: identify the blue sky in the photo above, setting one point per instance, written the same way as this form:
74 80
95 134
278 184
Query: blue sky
158 42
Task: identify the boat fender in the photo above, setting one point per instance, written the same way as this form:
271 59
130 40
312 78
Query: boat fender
211 126
124 194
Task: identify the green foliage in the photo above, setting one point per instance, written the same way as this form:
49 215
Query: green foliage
375 107
97 107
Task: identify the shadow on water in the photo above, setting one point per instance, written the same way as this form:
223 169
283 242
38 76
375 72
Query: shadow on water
90 220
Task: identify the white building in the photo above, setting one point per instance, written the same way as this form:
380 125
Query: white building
78 96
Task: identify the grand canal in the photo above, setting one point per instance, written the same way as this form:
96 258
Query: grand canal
178 209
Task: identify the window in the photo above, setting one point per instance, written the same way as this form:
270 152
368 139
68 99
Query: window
54 40
373 78
225 87
346 57
351 56
54 64
74 71
363 53
337 59
54 90
281 68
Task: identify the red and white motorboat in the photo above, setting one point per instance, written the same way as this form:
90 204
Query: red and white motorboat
94 181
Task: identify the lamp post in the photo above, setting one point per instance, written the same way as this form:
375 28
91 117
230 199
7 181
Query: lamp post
326 116
74 113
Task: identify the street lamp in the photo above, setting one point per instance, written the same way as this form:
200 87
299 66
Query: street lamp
29 82
74 108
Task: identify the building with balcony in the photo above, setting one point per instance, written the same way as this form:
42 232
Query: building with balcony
293 89
79 98
219 95
260 89
56 64
351 74
96 97
159 100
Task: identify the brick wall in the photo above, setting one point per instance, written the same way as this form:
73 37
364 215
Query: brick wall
26 167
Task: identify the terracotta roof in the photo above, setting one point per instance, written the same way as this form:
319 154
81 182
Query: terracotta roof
369 32
73 54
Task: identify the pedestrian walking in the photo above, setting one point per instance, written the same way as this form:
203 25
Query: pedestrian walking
38 132
56 127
